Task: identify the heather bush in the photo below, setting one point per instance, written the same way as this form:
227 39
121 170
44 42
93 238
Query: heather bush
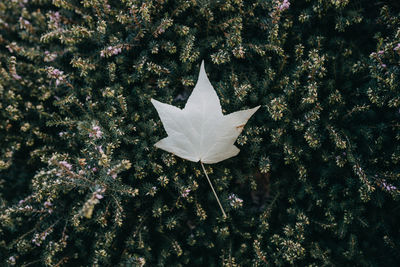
316 181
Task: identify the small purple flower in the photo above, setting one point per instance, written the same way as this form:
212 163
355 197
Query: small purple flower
285 5
55 19
49 57
55 16
185 193
234 201
66 164
397 48
56 74
110 51
23 22
16 76
387 186
112 174
97 133
47 204
100 149
12 260
44 235
98 194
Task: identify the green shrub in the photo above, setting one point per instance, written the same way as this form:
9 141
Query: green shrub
318 170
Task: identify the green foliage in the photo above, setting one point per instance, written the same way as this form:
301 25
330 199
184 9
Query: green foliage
316 181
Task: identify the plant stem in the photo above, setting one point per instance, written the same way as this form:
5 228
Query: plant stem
215 194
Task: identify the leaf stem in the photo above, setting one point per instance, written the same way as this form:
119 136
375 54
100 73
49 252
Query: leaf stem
215 194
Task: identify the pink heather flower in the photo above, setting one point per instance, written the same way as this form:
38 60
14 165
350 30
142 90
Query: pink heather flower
185 193
114 50
65 164
48 205
54 16
380 52
112 174
97 132
24 22
16 76
59 80
110 51
10 49
12 260
49 57
397 48
54 20
98 196
43 237
383 65
132 9
388 187
100 149
234 201
56 74
285 5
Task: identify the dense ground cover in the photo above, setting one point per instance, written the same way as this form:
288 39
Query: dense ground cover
316 182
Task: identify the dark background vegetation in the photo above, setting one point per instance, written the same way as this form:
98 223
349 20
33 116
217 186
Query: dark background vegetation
82 184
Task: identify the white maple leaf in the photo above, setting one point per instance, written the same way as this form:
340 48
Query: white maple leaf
200 131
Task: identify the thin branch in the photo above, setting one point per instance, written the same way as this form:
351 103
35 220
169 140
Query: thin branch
215 194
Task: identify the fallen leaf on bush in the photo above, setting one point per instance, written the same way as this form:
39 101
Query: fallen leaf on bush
200 132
